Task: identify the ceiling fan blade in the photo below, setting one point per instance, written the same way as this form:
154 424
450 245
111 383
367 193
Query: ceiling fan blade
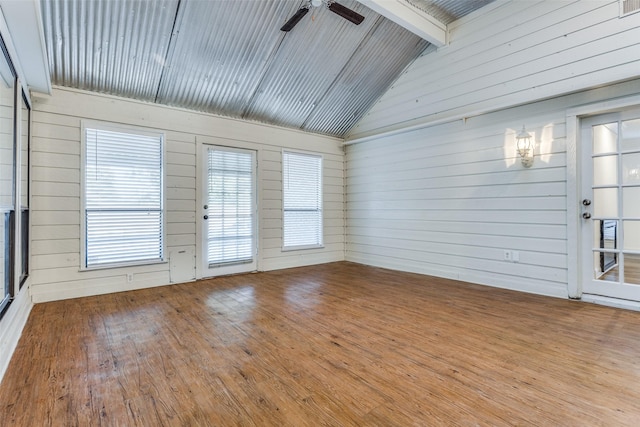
346 13
288 26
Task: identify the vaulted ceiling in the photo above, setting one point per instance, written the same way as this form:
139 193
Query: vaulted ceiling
229 57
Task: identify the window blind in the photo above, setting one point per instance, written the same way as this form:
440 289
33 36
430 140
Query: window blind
302 199
123 197
230 207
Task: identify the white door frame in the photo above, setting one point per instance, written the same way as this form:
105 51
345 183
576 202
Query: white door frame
574 185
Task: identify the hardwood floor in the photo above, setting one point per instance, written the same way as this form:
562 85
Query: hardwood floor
338 344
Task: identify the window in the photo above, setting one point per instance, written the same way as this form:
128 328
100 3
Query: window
7 177
302 200
24 190
123 196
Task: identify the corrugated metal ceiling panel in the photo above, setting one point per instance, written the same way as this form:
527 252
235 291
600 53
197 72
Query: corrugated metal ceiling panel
115 47
309 61
221 53
447 11
230 57
367 71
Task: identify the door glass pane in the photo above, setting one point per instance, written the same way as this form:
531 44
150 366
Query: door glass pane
605 202
630 135
631 235
615 230
605 234
230 208
597 234
632 269
605 266
631 168
631 202
605 170
605 138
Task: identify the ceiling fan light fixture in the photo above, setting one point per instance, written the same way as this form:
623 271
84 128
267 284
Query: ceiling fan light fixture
333 6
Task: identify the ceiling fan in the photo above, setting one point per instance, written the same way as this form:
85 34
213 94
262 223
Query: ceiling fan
333 6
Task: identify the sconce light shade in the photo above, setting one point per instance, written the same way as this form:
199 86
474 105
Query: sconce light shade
524 144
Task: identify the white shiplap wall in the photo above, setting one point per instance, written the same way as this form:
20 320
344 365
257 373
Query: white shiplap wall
56 190
449 199
510 53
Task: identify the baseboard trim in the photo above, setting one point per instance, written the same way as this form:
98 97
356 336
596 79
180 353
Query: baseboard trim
611 302
12 326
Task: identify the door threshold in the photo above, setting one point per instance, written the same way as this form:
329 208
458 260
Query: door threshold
611 302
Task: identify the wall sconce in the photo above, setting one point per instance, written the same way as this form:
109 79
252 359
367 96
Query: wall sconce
524 144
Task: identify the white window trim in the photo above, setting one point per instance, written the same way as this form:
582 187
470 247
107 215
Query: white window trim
117 127
307 153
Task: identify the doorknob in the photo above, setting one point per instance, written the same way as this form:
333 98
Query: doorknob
207 216
586 215
586 202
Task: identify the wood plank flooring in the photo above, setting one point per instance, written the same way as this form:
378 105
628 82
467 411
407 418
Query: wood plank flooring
339 344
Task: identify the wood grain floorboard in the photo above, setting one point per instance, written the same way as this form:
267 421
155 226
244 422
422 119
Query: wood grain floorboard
338 344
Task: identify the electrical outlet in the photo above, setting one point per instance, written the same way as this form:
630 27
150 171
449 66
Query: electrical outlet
515 256
129 277
507 255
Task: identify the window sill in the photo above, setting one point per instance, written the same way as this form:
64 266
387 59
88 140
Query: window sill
122 265
301 248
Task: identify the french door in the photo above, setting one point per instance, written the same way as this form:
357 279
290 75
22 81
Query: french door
228 211
611 205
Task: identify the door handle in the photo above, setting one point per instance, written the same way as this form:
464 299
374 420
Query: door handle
586 202
586 215
206 217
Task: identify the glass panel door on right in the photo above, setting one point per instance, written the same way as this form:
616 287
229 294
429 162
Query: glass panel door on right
611 206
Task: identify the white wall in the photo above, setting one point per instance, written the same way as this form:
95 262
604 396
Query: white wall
55 262
433 181
510 53
449 199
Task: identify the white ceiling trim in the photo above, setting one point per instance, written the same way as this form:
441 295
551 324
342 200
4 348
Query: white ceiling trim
415 20
24 22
